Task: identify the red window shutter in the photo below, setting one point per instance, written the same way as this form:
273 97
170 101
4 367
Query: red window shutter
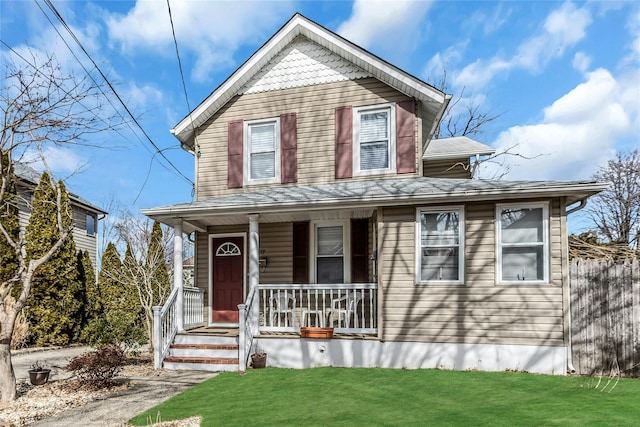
359 250
344 142
235 131
288 148
300 252
406 136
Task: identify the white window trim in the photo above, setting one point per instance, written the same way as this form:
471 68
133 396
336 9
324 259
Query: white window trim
392 139
461 245
346 241
247 152
545 242
95 225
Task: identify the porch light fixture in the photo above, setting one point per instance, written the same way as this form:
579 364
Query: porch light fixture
262 262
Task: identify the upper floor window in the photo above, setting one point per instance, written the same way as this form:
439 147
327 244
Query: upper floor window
523 243
91 225
374 140
441 245
262 159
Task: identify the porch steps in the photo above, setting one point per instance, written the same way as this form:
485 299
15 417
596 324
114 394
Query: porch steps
204 352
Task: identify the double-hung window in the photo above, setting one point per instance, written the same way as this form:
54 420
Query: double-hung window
91 224
374 139
331 265
523 243
262 161
440 236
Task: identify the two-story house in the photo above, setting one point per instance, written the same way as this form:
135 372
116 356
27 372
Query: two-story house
85 214
322 201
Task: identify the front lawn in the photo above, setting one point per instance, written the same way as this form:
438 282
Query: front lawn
339 396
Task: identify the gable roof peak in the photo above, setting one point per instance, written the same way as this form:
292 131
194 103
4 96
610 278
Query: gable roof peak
296 26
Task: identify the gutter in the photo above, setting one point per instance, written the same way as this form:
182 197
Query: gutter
583 203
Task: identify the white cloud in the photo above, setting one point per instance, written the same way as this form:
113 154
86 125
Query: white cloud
62 162
633 26
444 62
212 31
489 22
392 26
578 132
562 29
143 95
581 62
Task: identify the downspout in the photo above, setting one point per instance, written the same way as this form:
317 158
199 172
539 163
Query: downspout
570 366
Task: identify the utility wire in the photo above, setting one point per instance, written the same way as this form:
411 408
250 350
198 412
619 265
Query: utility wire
157 149
98 86
184 88
175 42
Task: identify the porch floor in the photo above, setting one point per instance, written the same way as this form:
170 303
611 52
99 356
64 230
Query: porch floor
213 331
234 332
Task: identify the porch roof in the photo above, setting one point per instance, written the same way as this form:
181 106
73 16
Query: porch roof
358 198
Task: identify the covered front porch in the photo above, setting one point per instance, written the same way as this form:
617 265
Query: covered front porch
272 310
251 277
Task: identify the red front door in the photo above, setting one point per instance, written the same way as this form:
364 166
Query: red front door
228 272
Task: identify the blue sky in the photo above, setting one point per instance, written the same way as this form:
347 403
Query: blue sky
565 76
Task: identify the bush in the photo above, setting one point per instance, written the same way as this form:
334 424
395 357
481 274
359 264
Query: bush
115 328
96 369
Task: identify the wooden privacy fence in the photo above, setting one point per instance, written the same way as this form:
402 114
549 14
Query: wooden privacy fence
605 316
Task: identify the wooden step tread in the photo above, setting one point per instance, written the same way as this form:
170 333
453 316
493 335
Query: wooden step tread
203 360
206 346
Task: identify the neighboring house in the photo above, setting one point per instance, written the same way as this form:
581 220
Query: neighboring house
322 200
187 272
85 215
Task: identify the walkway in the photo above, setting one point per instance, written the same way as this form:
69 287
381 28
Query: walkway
114 409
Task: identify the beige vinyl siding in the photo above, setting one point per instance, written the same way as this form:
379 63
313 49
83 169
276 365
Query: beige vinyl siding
87 243
315 110
276 240
480 311
447 169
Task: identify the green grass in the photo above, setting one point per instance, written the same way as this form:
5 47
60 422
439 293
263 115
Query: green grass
338 396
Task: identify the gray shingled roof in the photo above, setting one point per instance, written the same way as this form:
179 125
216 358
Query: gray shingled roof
456 148
31 178
372 193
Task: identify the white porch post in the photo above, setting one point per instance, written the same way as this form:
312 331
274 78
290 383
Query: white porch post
177 274
254 259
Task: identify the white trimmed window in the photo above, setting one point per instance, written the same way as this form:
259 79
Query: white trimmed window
523 243
374 139
330 252
440 237
91 225
262 148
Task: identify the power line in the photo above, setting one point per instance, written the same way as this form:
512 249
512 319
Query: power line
99 87
157 149
175 42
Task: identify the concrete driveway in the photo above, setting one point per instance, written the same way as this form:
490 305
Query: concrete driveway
115 409
54 359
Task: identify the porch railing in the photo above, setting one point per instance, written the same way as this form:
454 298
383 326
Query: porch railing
348 308
193 307
165 327
165 320
248 328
